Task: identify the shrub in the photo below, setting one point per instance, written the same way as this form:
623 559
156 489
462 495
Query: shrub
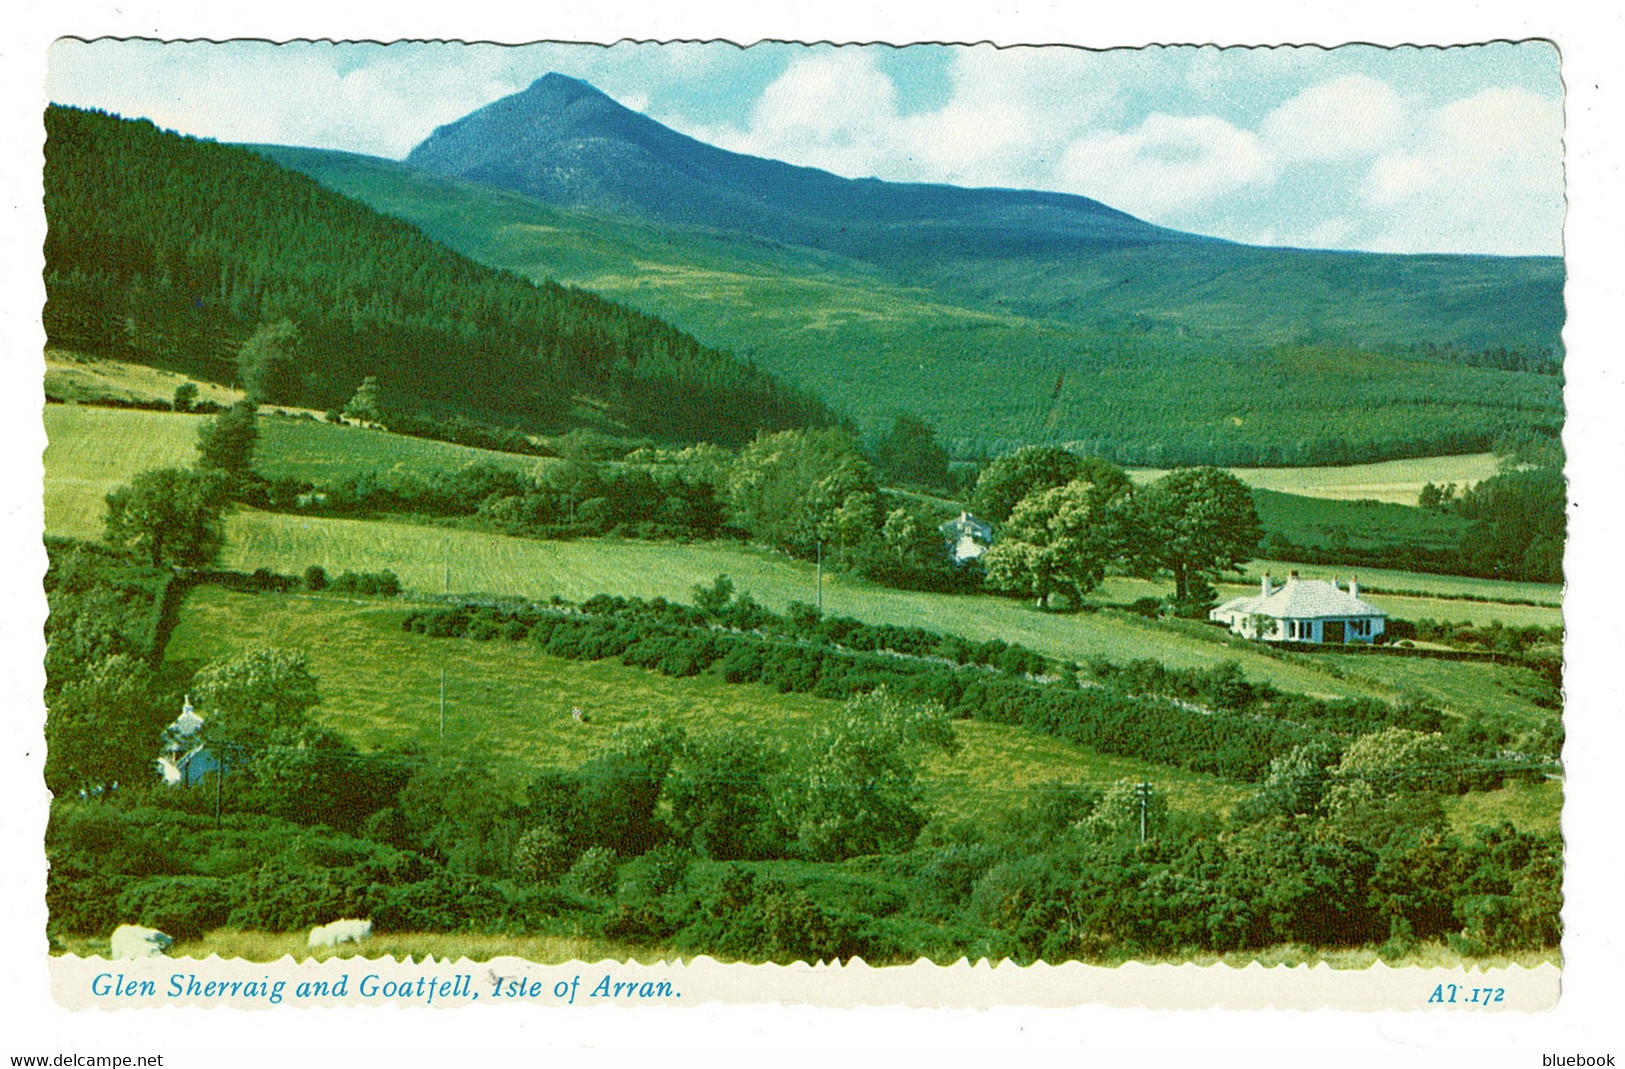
593 873
183 907
542 855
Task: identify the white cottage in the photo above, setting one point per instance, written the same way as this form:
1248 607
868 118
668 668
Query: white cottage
1303 610
183 760
967 538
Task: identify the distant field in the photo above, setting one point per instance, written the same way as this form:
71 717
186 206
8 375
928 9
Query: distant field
1330 524
318 452
1424 583
76 377
92 451
380 686
1396 482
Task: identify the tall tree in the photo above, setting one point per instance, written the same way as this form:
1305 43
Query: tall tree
909 453
226 443
1053 542
1007 480
171 516
267 364
1194 522
797 489
252 701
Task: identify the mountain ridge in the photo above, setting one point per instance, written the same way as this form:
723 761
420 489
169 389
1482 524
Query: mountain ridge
564 142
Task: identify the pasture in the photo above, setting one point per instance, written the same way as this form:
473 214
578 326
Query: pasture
92 451
1393 581
1395 482
510 702
515 567
498 565
324 452
71 376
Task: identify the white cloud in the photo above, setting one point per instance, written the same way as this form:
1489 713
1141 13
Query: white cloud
1485 175
1346 117
295 94
1170 163
1007 119
833 110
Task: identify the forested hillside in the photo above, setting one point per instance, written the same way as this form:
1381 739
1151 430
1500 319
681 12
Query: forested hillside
174 251
1273 357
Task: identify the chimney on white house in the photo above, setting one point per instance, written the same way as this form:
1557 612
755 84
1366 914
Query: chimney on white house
1354 586
1266 584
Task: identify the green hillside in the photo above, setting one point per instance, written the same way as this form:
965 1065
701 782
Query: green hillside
171 251
1257 361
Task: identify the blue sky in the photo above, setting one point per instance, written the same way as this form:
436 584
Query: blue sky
1392 150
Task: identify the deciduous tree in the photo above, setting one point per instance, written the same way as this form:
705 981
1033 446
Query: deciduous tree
226 443
1194 522
169 515
268 365
858 794
1052 542
253 700
796 489
102 728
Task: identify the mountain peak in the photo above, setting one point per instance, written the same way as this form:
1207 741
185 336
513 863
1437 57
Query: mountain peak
560 90
565 142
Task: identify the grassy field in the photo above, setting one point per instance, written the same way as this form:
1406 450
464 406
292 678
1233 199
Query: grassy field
323 452
1325 523
1529 807
1396 482
380 686
498 565
73 376
92 451
1395 581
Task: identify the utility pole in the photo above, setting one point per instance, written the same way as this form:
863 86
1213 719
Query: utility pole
1142 791
820 578
445 574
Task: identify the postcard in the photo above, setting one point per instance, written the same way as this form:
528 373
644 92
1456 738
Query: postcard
1062 527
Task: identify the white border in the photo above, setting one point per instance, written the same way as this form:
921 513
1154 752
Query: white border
1586 1020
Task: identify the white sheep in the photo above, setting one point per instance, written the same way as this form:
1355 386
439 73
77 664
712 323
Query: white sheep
134 941
340 931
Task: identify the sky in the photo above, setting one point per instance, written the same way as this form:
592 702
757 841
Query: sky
1387 150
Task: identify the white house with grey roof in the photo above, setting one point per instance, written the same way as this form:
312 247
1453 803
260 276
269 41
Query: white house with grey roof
967 538
183 760
1303 610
